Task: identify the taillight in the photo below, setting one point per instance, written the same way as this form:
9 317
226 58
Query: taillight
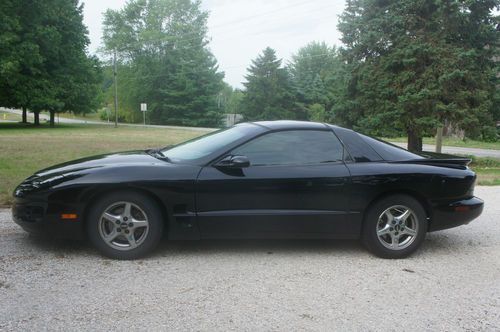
470 192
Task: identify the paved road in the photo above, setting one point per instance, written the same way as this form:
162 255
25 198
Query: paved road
459 150
451 284
45 117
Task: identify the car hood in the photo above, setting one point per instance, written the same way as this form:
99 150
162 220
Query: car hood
129 158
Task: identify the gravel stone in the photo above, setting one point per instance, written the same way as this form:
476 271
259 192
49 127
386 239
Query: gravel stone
452 283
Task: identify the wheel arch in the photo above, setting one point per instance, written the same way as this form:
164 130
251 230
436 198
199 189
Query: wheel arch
95 195
414 194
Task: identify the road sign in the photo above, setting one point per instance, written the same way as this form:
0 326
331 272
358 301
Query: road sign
144 109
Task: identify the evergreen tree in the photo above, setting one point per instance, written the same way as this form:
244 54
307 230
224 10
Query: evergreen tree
316 72
229 100
268 94
415 64
165 61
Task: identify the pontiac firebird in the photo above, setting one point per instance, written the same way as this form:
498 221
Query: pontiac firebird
271 179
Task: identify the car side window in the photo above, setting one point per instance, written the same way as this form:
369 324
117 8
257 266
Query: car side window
293 147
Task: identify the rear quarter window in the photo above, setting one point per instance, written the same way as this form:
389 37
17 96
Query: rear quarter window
359 149
389 151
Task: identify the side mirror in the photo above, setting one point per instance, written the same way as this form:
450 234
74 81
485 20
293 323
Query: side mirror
234 162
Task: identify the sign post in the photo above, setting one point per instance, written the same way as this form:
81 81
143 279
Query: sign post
144 109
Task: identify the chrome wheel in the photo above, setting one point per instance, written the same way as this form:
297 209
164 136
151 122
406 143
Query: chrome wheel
123 226
397 227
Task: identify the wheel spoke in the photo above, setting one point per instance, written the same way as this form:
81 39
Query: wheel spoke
139 223
409 231
111 236
384 231
127 210
404 215
394 240
110 217
131 240
389 216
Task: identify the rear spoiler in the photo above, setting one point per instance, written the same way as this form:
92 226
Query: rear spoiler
439 162
439 159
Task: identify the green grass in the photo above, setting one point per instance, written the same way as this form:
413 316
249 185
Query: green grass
16 117
450 141
9 116
487 170
88 117
25 149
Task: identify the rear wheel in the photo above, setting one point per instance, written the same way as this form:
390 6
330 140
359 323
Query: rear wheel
125 225
394 227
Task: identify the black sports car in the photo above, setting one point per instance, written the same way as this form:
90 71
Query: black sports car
282 179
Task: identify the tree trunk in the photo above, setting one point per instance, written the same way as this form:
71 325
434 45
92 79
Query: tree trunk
414 141
36 118
439 139
52 116
25 115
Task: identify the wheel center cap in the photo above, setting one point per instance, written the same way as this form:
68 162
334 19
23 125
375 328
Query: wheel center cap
124 226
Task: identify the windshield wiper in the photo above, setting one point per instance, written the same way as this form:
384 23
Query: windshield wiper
157 154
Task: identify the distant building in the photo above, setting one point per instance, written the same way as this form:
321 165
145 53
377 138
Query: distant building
232 119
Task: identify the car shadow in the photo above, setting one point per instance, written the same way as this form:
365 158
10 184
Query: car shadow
65 247
55 245
435 242
252 247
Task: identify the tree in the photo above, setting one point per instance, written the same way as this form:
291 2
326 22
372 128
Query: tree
315 71
20 58
415 64
268 94
72 77
229 100
164 61
44 65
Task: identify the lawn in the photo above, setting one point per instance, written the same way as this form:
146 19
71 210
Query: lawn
25 149
87 117
17 117
9 116
487 169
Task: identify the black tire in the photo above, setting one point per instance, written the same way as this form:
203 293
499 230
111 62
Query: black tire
376 221
145 211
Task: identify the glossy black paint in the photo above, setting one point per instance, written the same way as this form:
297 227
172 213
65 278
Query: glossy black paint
210 198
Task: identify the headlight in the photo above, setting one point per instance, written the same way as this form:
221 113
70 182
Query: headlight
37 182
45 182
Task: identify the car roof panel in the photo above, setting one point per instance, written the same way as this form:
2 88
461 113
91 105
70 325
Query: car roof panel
290 124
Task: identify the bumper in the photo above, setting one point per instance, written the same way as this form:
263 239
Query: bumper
455 213
44 219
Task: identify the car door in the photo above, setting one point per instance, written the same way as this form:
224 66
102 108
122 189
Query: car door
296 185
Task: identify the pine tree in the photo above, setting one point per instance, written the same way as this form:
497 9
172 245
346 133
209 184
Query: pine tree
165 61
268 94
316 72
415 64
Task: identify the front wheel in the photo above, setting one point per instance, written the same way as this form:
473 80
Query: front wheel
394 227
125 225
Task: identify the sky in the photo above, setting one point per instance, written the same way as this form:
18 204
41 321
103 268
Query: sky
240 29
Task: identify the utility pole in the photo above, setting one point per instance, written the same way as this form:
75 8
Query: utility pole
116 89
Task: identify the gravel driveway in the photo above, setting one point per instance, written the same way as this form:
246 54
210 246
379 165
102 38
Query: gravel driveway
452 283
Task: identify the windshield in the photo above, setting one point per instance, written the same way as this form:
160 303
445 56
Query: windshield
203 146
